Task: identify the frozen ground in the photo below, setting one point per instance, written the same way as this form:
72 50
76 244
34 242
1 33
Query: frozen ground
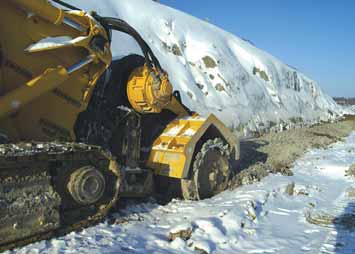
216 71
316 214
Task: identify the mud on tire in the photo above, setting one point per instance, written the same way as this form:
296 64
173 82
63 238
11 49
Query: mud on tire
211 171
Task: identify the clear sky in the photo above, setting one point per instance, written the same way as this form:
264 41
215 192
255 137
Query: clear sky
315 36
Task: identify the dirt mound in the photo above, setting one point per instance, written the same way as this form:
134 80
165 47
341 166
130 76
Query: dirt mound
275 152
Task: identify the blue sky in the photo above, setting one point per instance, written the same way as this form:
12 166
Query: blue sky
315 36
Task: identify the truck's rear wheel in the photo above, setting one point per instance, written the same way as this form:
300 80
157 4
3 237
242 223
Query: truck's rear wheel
211 171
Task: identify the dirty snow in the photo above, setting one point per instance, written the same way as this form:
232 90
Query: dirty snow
264 217
216 71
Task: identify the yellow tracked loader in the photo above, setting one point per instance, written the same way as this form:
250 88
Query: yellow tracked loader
79 131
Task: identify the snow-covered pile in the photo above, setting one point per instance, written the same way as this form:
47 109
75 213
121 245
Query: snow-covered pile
349 109
216 71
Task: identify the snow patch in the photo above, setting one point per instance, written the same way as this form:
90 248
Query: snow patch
257 218
50 43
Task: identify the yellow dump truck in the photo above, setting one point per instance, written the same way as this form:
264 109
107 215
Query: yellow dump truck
78 130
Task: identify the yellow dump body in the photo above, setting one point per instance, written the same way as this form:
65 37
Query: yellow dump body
48 68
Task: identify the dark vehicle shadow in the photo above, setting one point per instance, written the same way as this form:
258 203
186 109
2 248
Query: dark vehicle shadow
345 228
251 167
249 154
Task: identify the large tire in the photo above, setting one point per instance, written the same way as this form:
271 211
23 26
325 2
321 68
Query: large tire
211 171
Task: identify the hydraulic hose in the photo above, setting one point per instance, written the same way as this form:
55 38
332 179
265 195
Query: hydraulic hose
122 26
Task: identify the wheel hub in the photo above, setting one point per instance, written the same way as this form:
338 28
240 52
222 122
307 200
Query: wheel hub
86 185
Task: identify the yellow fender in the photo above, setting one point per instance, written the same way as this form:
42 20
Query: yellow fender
173 150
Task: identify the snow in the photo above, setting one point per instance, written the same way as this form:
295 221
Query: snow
257 218
174 131
216 71
50 43
181 227
179 130
349 109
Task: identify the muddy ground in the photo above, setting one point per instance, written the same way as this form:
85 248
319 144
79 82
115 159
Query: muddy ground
275 152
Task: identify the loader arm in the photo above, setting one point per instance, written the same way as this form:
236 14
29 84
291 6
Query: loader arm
55 64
